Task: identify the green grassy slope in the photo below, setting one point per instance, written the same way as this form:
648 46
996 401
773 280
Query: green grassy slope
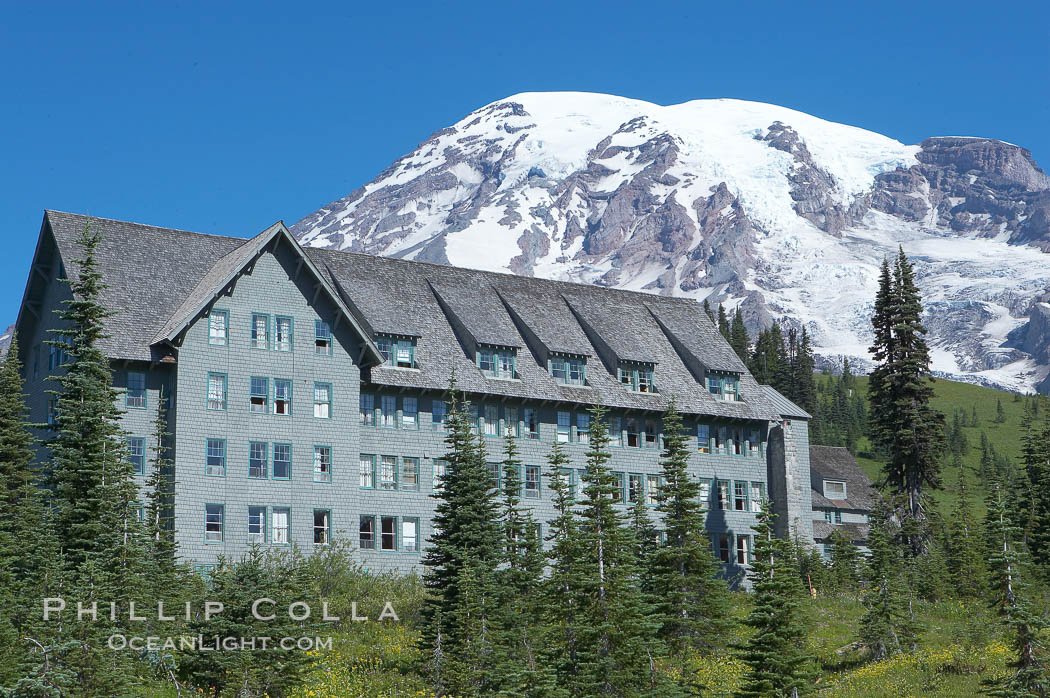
950 396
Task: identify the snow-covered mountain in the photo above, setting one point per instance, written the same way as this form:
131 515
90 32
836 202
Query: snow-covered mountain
783 213
5 339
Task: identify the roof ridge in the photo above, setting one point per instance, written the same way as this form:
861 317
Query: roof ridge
147 225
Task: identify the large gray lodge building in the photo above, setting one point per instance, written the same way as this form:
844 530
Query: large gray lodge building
308 387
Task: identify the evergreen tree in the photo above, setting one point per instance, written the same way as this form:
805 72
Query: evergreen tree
465 548
775 652
885 628
160 509
1023 622
1034 522
723 322
965 559
766 360
738 337
616 652
692 600
563 587
843 573
707 311
805 394
1000 415
900 387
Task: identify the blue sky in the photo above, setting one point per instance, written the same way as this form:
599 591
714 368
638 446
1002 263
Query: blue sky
224 117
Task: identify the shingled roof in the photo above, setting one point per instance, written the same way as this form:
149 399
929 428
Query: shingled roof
158 277
835 463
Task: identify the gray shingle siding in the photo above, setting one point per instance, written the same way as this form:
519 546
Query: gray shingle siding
161 282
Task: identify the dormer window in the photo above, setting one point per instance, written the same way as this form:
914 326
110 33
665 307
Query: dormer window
568 370
835 489
724 385
496 362
397 351
637 377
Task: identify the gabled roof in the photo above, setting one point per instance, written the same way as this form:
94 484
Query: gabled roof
158 279
857 532
835 463
783 406
161 279
226 269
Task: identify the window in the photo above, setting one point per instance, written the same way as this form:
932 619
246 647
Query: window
282 333
388 473
738 442
279 518
388 533
740 496
440 468
564 429
140 512
322 526
754 443
652 490
619 481
703 438
532 482
216 458
366 536
322 400
723 547
833 516
705 494
834 489
497 363
725 386
388 411
410 474
410 535
322 463
282 461
652 434
218 327
510 421
256 524
368 471
322 338
568 476
135 398
495 473
568 370
213 523
637 377
397 351
758 495
137 454
259 395
743 550
633 432
583 427
635 488
257 459
216 391
52 409
723 494
368 410
531 422
475 418
615 432
282 396
438 410
409 413
491 420
260 331
720 440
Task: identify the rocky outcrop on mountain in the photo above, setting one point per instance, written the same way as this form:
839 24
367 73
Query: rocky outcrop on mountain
5 339
753 205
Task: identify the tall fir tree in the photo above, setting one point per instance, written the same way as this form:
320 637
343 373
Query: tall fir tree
738 337
723 322
775 652
617 650
464 550
1023 622
160 509
885 627
692 600
902 422
708 312
965 558
563 588
1033 516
